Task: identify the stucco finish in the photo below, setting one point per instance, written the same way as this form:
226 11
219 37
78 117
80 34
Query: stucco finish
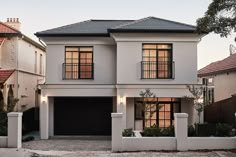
18 54
225 85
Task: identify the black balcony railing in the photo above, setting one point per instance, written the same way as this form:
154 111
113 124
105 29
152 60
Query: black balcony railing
75 71
157 70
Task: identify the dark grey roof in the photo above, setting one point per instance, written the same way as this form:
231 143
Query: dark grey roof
153 24
104 27
90 27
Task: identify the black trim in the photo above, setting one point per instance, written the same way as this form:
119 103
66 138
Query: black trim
150 31
73 35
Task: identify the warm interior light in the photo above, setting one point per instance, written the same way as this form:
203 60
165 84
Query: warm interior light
43 98
121 100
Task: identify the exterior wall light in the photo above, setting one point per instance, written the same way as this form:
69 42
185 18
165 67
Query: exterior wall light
121 99
43 98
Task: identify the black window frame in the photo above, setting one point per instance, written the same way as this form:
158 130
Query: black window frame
79 64
172 103
170 63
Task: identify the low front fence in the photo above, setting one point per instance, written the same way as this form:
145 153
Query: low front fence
14 131
180 142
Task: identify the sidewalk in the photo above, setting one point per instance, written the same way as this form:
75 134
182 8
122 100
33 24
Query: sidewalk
6 152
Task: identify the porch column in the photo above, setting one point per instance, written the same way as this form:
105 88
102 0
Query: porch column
44 118
181 131
121 108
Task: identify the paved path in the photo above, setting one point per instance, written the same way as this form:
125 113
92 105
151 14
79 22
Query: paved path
8 152
71 144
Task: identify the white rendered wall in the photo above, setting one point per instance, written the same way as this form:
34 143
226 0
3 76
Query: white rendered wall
225 85
27 57
129 57
104 57
8 53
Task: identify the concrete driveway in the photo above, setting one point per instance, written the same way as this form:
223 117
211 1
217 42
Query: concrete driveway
71 144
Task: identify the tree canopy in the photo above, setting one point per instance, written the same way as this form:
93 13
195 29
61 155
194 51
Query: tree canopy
220 18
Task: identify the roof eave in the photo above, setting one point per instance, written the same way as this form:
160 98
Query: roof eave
149 31
72 34
216 72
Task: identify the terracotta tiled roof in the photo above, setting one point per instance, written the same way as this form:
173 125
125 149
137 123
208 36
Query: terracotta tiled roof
1 40
7 29
225 65
5 74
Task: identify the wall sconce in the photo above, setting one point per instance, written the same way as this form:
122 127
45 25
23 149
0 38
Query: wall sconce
43 98
121 99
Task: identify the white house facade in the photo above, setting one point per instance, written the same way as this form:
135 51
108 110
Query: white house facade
97 67
22 64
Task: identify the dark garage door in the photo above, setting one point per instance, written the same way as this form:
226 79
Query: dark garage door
82 115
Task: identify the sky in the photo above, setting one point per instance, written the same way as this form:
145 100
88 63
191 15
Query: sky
38 15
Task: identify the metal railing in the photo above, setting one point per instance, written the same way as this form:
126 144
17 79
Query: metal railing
157 70
75 71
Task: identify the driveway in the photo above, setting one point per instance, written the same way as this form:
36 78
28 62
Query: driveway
70 144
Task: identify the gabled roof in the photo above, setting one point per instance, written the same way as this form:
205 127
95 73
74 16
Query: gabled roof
7 31
226 65
105 27
4 75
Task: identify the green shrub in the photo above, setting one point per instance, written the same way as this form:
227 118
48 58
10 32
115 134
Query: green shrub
155 131
223 129
191 131
3 124
169 131
128 133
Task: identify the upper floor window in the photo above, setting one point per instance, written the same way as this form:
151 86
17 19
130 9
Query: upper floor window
78 63
157 61
41 64
35 61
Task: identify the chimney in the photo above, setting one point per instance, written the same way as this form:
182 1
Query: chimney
13 22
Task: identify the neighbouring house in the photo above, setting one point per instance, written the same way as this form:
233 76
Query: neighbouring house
220 78
22 63
97 67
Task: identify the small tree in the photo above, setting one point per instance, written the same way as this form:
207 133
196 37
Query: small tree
197 96
148 101
1 101
11 101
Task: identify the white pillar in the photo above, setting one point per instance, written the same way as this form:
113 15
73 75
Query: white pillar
121 108
44 119
116 137
14 129
181 131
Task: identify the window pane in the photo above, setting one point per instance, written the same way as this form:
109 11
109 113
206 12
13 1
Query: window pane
161 123
167 107
153 53
75 55
147 123
86 49
153 122
72 49
167 123
149 46
161 115
68 54
167 115
164 99
164 46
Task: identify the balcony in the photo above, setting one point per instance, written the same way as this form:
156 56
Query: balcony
157 70
76 71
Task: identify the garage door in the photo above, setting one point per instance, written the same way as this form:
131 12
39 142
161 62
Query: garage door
82 115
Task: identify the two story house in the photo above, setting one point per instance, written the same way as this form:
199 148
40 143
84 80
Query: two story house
22 63
97 67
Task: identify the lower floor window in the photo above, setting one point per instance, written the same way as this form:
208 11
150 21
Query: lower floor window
160 113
